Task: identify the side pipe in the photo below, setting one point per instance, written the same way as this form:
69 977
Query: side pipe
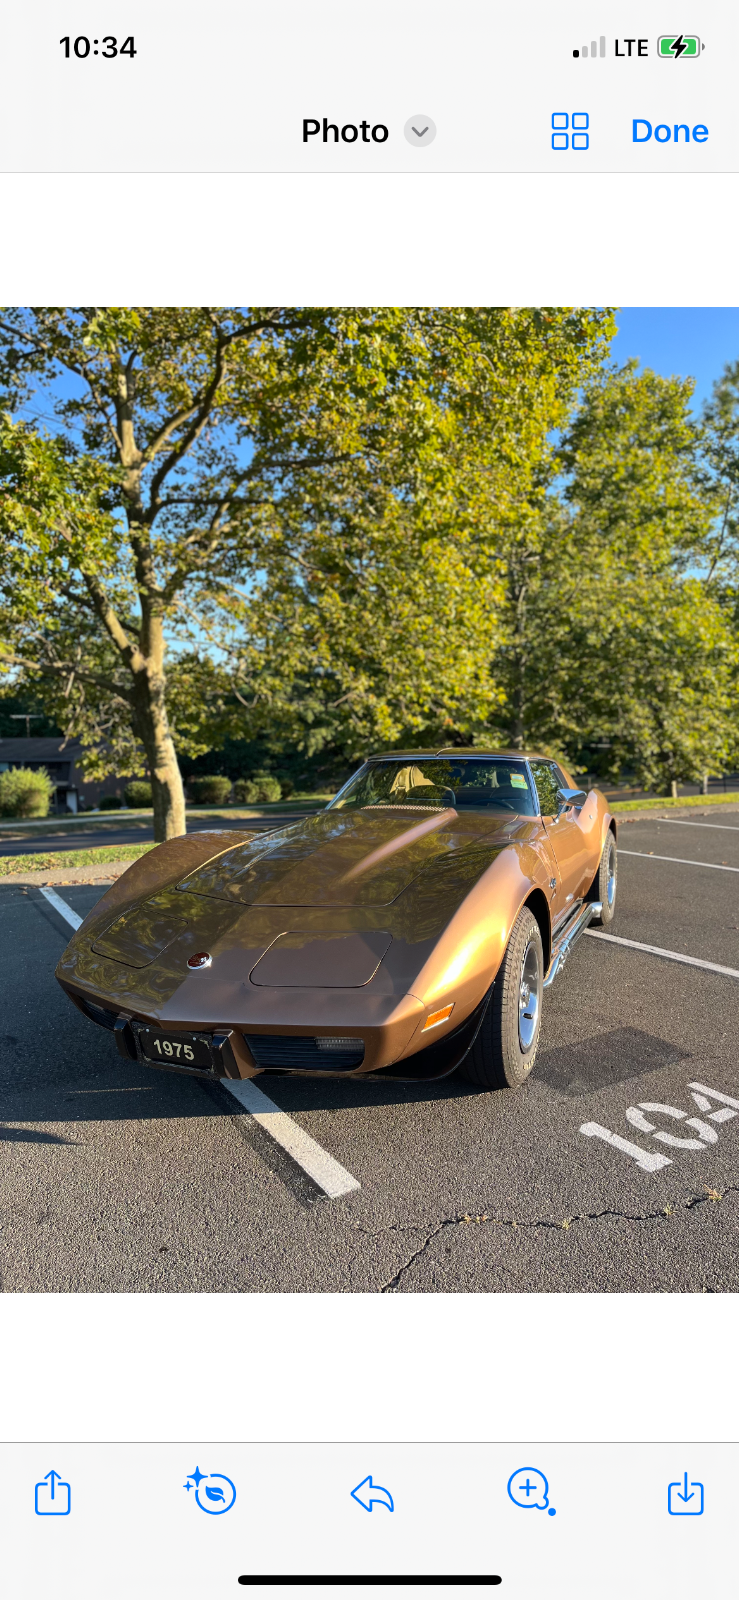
567 941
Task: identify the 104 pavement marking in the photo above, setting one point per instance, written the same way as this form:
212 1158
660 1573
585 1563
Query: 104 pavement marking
651 1161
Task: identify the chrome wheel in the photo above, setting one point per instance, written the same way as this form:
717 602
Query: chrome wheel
529 998
611 886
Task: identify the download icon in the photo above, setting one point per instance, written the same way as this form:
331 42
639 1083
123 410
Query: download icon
684 1499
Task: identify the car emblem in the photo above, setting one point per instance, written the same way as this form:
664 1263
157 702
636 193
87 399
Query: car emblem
202 959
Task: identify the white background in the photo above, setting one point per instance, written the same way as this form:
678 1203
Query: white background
442 1367
328 239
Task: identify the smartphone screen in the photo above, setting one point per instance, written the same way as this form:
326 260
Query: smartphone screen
369 801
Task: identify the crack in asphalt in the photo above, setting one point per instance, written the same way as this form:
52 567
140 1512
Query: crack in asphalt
482 1219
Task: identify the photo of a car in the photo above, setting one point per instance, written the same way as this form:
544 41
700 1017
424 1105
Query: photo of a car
407 930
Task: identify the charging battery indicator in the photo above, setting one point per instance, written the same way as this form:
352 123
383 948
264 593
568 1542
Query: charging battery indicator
679 46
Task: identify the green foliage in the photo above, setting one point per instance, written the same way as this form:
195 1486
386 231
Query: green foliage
612 638
13 710
270 518
276 538
137 795
110 802
211 790
721 421
260 789
25 792
380 611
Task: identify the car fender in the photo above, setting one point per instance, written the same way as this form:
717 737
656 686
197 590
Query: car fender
467 955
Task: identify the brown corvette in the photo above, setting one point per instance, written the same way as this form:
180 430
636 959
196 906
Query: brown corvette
408 929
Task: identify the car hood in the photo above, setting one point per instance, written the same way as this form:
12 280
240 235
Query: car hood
342 858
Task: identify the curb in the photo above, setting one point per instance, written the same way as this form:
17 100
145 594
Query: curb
675 811
105 872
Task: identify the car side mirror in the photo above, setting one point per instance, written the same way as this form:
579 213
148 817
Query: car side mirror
571 797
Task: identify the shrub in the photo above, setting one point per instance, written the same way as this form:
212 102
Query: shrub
25 792
110 802
209 789
137 794
287 787
258 790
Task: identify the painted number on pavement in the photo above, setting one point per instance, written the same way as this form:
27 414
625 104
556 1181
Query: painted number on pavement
640 1117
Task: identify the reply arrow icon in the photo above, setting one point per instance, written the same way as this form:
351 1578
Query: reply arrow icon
369 1494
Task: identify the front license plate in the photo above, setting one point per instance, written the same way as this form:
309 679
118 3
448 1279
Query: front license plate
174 1049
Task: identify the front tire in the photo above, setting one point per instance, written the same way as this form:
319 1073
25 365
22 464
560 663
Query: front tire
504 1051
604 884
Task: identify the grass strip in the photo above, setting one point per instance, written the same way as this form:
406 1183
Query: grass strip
669 804
105 820
72 858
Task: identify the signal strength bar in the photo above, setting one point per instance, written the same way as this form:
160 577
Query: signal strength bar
597 48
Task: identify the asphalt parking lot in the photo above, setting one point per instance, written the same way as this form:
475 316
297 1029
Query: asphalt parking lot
114 1178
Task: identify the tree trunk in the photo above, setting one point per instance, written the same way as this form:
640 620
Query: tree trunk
168 795
704 785
518 665
517 725
673 789
152 726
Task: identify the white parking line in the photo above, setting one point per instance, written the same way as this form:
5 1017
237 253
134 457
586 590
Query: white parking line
61 906
669 955
319 1165
649 855
328 1174
684 822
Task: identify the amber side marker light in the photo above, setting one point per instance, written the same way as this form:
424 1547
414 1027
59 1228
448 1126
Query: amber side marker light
436 1017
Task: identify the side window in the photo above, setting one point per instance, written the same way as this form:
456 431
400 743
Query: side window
548 781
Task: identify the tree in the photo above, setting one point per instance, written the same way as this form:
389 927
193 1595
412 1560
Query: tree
129 528
382 619
721 418
16 708
721 421
613 638
259 509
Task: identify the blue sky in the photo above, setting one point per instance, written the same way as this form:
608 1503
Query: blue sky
692 341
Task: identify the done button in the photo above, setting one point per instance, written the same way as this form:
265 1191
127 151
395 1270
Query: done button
642 131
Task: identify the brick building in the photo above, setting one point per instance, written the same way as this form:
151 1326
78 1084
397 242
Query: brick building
62 759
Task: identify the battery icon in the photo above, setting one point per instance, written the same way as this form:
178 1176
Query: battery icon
679 46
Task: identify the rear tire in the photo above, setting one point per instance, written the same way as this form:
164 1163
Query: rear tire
505 1048
605 882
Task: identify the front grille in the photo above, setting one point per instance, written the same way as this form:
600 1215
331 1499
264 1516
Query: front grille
104 1019
305 1055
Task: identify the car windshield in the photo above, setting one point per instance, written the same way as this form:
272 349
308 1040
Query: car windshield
432 782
